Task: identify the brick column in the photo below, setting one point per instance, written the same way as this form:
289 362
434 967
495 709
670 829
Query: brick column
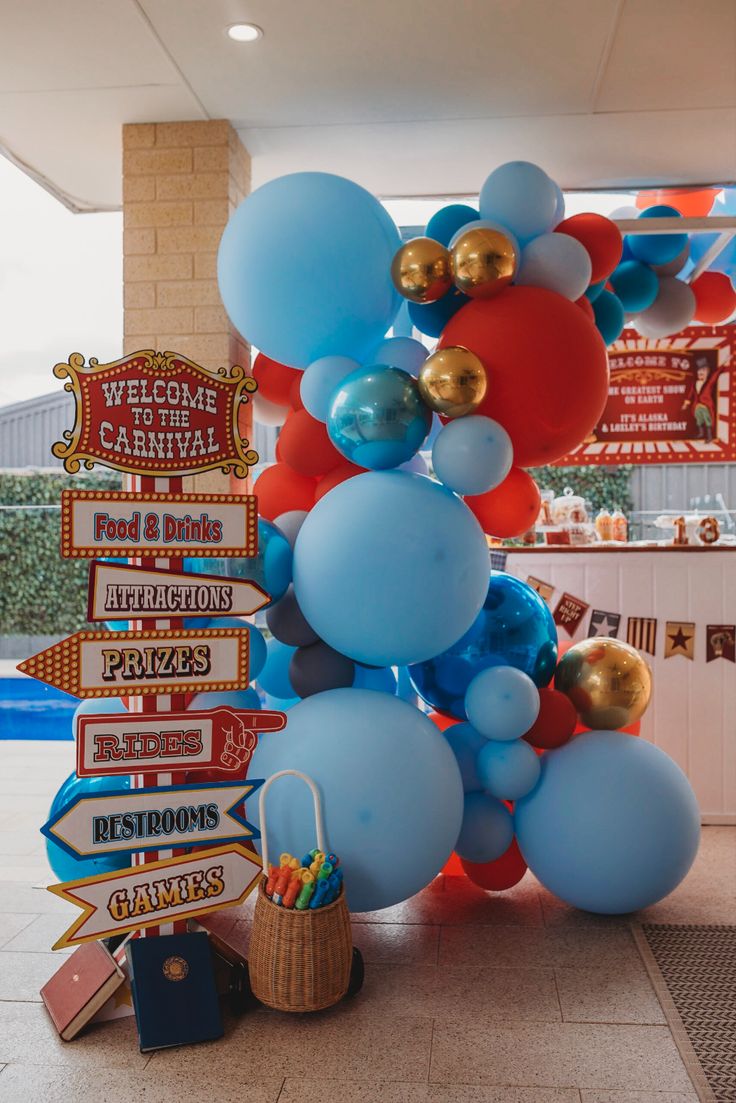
181 181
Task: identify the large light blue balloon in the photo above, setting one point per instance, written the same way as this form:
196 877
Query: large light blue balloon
390 568
613 824
508 770
377 418
320 380
522 197
391 791
401 352
304 268
472 454
502 702
487 829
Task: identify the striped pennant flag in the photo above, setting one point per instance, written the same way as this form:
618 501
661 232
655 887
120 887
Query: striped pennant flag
641 633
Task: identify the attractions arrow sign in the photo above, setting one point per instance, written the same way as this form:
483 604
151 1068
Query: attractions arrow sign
120 664
118 592
222 739
124 820
139 523
154 413
158 892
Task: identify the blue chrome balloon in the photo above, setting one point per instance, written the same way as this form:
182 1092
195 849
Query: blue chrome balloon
270 568
65 865
377 418
514 628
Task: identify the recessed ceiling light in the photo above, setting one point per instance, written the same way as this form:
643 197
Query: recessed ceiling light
244 32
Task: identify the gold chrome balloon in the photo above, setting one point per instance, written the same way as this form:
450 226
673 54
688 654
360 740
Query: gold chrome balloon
483 261
421 270
452 381
607 680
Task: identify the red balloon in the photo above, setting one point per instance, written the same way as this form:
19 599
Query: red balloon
715 298
510 508
453 866
443 721
690 202
280 489
274 380
502 874
339 474
587 308
546 365
600 237
555 723
305 445
295 394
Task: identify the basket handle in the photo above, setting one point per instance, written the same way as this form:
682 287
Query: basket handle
318 818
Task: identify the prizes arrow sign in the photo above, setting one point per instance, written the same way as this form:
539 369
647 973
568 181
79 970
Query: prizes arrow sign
158 892
127 820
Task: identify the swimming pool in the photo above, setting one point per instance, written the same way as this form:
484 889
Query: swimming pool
32 710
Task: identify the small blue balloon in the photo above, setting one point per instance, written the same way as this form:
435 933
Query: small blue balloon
508 770
514 628
381 679
487 830
274 677
443 225
232 699
389 567
609 316
315 249
378 763
595 290
271 568
612 826
431 318
657 248
64 865
502 702
521 197
279 704
472 454
377 418
256 642
636 286
401 352
319 381
465 743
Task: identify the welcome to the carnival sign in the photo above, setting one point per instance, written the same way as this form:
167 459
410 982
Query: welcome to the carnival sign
155 413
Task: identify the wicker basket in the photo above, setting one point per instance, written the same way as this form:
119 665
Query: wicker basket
299 960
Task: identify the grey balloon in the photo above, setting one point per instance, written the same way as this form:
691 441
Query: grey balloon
290 523
674 266
671 311
318 668
288 623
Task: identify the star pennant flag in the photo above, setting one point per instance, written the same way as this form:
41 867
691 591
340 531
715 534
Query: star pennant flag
544 589
498 560
569 612
720 642
604 624
641 633
679 639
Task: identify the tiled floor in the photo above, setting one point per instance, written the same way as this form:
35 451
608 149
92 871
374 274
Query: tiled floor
469 998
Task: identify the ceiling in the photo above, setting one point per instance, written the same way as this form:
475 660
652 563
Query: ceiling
409 97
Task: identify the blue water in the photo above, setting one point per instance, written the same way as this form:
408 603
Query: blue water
32 710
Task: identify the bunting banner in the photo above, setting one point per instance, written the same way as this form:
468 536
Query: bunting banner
604 624
720 642
569 612
498 560
679 639
641 633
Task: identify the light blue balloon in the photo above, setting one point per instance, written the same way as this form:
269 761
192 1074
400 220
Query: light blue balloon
391 791
274 678
487 830
377 418
521 197
508 770
502 702
380 679
557 262
657 248
320 380
65 865
612 826
232 699
635 284
401 352
96 705
472 454
390 568
304 268
465 743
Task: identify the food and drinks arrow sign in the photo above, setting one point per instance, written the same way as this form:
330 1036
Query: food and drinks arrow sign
158 892
120 664
220 739
120 592
124 821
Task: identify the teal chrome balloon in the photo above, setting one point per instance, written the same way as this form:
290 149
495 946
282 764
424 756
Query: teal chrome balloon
270 568
377 418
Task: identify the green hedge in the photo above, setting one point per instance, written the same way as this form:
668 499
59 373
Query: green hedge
601 486
41 593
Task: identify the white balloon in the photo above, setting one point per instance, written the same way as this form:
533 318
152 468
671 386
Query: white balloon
268 413
557 262
290 523
625 212
671 311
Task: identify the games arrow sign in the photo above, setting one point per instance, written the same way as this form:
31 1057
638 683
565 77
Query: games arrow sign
221 739
158 892
120 664
124 821
119 592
